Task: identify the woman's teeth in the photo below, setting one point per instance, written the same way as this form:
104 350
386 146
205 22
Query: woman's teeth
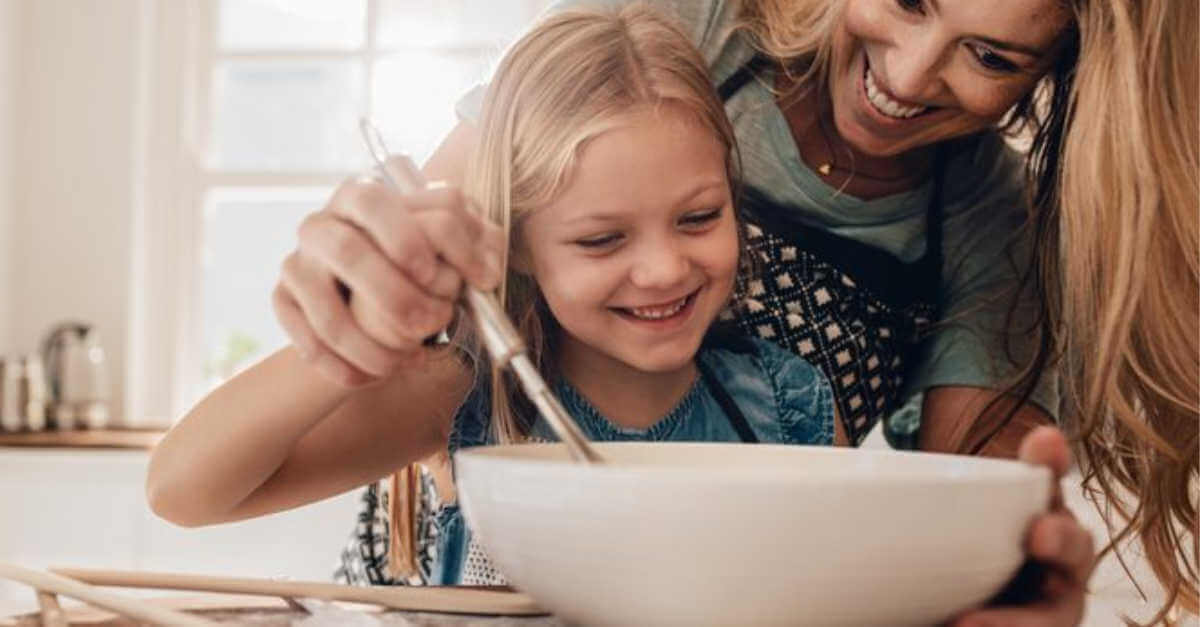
886 105
659 312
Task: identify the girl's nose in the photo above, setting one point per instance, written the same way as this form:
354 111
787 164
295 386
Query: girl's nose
659 265
913 68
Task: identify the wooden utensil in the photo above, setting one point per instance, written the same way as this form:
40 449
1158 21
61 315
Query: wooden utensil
448 599
52 612
64 586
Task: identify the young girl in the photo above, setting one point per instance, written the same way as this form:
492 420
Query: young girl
607 160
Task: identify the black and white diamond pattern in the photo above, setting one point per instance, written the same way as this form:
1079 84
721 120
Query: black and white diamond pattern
364 560
814 310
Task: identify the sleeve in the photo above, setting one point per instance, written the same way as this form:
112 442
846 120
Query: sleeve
803 395
700 19
984 336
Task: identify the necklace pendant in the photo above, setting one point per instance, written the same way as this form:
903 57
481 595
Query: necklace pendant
825 169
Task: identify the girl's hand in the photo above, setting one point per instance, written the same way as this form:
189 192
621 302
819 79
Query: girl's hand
403 257
1060 549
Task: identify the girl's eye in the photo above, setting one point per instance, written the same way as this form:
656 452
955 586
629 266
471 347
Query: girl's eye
992 61
700 218
912 6
600 241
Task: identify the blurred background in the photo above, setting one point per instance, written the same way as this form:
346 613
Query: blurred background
156 157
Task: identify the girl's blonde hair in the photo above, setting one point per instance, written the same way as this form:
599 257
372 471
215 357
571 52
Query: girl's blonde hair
574 76
1113 172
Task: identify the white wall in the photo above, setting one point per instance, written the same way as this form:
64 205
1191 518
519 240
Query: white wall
11 42
104 522
76 127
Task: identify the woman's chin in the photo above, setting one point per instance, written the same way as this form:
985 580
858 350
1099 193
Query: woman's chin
867 143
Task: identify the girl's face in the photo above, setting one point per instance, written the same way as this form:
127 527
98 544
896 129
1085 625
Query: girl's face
637 256
914 72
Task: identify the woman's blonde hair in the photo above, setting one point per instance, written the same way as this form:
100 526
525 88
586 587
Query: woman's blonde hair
1114 186
572 77
1128 269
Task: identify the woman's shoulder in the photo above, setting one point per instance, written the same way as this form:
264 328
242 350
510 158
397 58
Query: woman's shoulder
709 24
769 379
983 170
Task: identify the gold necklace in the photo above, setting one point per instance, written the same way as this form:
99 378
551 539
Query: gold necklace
826 168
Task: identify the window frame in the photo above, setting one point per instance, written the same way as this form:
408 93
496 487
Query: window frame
165 373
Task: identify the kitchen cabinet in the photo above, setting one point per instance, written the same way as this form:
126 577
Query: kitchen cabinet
77 507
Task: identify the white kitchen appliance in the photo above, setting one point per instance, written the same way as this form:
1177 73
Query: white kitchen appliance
77 376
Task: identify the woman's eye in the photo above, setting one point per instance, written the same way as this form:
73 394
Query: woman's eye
992 61
912 6
700 218
600 241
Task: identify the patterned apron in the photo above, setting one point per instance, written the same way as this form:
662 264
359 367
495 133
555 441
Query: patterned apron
855 311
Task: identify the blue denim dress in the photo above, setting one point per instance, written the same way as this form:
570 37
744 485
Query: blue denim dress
780 397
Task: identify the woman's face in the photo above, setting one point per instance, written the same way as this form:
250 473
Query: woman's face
913 72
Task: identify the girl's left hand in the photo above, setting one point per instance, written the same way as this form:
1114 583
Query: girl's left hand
1056 542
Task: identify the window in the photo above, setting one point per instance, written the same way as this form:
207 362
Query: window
267 113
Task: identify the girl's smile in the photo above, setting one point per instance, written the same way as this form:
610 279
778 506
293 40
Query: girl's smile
663 315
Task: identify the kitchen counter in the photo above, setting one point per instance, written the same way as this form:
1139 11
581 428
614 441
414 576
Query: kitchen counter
86 507
267 611
143 439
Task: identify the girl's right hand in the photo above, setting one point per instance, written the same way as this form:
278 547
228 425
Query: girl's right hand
404 258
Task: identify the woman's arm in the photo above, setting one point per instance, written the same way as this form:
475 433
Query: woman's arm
950 412
405 258
280 435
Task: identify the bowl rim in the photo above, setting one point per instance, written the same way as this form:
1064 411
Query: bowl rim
983 470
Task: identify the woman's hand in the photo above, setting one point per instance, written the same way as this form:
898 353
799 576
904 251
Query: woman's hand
403 257
1061 549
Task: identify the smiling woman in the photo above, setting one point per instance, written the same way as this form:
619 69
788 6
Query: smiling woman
912 73
1102 88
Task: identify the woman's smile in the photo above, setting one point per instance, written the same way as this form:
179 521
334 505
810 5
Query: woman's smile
910 74
880 100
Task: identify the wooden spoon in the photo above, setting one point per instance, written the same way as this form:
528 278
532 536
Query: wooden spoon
132 608
448 599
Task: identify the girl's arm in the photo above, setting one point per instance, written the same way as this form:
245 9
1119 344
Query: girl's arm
280 435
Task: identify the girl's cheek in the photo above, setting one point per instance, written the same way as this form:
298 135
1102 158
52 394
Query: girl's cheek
574 282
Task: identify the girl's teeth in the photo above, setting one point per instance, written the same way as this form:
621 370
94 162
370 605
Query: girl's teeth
886 105
656 313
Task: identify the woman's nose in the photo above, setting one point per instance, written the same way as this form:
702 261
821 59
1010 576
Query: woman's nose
659 264
913 68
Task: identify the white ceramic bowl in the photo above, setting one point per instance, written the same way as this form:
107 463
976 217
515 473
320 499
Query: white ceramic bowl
736 534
